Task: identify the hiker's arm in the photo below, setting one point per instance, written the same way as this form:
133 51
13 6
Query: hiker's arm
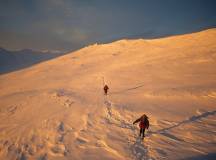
136 121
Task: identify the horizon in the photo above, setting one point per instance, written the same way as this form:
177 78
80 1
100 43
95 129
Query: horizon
76 75
60 109
108 42
70 25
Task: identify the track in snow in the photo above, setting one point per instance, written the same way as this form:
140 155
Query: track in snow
114 117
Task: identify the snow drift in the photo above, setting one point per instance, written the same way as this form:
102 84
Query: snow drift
57 110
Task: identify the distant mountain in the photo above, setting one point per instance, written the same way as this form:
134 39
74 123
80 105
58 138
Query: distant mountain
57 110
15 60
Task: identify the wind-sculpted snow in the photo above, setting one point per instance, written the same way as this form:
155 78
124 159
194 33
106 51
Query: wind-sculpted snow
57 110
138 149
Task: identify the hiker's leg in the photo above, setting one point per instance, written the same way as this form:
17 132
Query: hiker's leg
143 132
140 132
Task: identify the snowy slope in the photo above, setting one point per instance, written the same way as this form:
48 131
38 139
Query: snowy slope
56 110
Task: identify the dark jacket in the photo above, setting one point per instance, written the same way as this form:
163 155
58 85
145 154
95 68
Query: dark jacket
106 87
143 122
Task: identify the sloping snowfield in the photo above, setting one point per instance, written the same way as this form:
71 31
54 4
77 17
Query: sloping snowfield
56 110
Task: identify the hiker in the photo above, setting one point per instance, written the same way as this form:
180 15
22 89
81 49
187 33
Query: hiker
106 89
143 124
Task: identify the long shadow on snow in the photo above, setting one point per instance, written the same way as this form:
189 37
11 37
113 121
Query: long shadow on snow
189 120
210 156
126 90
139 149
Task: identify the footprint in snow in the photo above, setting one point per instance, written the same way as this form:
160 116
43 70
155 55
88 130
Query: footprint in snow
139 150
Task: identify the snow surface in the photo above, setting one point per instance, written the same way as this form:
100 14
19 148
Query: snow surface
56 110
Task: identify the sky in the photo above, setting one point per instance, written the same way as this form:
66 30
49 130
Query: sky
67 25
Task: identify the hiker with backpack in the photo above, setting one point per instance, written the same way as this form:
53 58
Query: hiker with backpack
143 124
106 89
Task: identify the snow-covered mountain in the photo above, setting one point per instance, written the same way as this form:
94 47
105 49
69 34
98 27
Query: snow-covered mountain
56 110
15 60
